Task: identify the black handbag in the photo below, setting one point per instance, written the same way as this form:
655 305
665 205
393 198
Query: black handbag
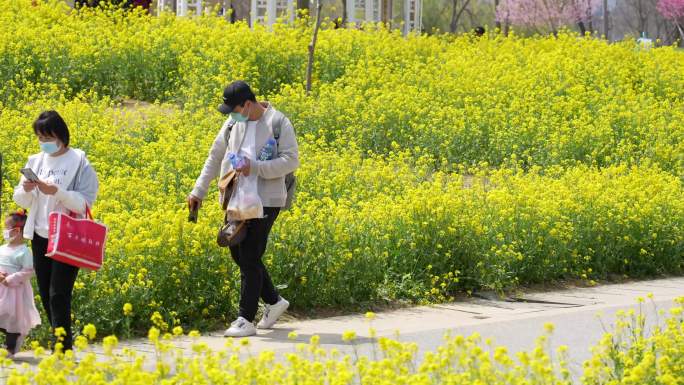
231 233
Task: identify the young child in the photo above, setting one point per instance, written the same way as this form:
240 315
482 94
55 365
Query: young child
18 313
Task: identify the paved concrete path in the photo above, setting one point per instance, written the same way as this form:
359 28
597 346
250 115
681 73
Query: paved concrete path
513 322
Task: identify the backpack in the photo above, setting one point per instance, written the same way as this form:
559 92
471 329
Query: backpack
290 179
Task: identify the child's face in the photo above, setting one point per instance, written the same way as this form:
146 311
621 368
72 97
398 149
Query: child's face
10 229
9 223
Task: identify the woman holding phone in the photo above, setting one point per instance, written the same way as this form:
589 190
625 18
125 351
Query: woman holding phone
66 182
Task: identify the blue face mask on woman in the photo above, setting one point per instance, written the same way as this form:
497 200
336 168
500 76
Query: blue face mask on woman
49 147
238 117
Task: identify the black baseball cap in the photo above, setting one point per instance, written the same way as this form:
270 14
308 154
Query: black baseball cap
236 94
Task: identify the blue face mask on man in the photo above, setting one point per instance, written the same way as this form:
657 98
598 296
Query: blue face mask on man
239 117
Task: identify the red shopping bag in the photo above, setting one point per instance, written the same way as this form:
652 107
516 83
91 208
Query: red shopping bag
77 242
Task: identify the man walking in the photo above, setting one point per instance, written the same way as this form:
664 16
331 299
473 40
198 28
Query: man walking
248 129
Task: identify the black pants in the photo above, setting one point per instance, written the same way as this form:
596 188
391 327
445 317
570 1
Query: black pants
56 284
254 279
11 341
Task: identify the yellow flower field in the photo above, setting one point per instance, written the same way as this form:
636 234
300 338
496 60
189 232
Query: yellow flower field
431 165
627 354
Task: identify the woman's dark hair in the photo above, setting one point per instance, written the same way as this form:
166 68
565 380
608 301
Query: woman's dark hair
19 218
49 123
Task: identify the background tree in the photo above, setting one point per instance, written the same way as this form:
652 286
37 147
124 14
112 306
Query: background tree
673 10
458 6
548 15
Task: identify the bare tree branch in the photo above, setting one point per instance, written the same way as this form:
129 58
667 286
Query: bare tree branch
456 14
496 6
312 47
471 16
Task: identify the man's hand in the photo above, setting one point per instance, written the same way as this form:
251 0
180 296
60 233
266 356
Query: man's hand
245 168
193 202
47 188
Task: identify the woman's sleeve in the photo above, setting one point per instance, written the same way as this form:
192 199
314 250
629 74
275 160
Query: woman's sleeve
21 197
84 192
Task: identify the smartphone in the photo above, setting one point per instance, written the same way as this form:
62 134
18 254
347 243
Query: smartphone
192 216
30 175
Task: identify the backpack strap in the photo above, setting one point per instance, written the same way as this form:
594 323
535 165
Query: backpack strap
277 127
229 129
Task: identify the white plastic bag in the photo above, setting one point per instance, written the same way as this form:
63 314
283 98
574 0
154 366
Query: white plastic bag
245 202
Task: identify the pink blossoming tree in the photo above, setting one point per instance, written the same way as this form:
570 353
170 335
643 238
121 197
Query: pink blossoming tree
548 14
673 10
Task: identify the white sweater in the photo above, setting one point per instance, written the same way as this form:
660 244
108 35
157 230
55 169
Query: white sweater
83 192
271 173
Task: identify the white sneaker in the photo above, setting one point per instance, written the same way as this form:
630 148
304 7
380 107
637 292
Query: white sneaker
240 328
272 312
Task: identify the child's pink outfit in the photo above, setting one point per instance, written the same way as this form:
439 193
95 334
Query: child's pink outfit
18 313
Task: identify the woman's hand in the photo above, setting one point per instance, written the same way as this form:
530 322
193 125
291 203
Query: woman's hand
47 188
29 186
